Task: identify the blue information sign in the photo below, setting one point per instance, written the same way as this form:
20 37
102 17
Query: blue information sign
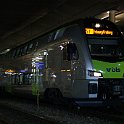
39 65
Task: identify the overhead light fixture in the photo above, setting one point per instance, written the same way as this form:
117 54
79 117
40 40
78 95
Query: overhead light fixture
108 12
97 25
5 51
116 21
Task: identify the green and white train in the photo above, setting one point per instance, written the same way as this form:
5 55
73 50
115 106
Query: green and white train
82 61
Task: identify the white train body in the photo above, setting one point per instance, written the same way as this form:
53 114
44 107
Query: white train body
61 64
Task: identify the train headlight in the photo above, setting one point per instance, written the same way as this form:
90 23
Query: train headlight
94 73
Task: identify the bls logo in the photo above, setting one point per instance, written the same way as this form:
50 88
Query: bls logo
113 69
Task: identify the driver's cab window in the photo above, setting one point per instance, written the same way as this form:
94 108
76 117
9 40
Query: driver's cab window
70 52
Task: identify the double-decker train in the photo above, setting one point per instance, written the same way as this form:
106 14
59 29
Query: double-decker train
82 61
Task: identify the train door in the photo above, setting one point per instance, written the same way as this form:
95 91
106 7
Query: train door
54 66
70 54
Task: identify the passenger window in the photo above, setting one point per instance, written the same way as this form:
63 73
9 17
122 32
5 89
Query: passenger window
14 54
20 52
25 50
17 52
30 47
35 46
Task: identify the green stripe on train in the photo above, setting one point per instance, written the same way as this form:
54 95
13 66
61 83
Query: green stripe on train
109 70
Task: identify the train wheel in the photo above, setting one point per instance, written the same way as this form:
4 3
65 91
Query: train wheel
119 108
54 96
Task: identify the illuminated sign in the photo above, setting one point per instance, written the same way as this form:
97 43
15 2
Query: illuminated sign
98 32
10 71
22 71
39 65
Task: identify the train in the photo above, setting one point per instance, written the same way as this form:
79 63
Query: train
81 61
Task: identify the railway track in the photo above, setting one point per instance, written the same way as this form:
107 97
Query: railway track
11 115
64 114
109 114
113 115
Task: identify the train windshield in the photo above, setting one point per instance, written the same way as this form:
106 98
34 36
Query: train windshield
100 28
104 40
107 50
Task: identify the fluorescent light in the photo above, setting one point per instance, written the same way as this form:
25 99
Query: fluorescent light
5 51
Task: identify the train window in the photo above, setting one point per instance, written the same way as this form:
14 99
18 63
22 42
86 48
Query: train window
36 45
51 36
24 49
30 47
17 52
14 54
20 52
107 52
70 52
59 33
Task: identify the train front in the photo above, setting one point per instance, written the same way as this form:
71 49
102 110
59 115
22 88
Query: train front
106 48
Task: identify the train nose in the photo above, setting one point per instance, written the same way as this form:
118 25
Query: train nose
110 88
